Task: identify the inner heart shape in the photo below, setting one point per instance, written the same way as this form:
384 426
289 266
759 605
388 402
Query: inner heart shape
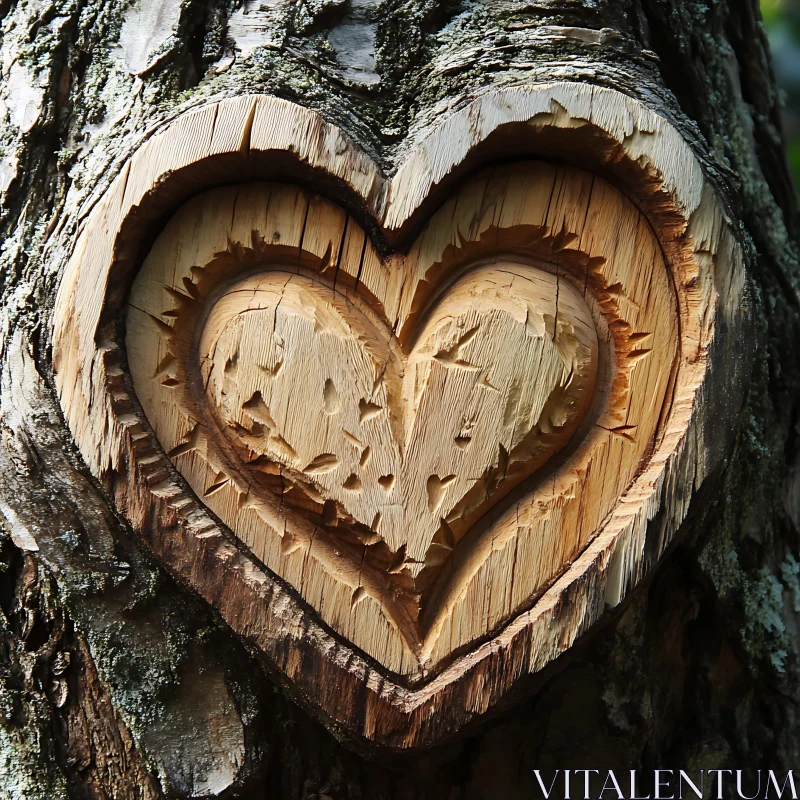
413 442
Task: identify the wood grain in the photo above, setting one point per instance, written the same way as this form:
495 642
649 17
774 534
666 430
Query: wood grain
519 582
360 466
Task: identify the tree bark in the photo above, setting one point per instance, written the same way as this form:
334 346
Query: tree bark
115 680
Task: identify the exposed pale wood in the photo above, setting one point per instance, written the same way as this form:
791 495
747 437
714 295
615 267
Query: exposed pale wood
535 572
353 463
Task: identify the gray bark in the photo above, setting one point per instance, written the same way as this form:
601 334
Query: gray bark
117 682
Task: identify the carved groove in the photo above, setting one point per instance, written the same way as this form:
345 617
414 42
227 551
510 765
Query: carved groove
379 453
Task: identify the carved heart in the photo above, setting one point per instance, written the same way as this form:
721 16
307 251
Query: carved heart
358 422
451 615
404 444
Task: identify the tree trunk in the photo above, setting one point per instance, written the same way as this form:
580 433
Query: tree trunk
118 681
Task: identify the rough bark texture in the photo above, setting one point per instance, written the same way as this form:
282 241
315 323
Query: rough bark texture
115 681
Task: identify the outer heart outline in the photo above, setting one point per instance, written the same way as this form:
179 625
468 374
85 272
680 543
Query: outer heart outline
645 153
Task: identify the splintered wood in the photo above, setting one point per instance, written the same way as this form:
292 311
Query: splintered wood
408 476
419 445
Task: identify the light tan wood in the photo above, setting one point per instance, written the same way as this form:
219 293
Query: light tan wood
450 618
353 462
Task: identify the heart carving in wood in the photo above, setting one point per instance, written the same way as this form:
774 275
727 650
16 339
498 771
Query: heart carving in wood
407 458
400 443
390 424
